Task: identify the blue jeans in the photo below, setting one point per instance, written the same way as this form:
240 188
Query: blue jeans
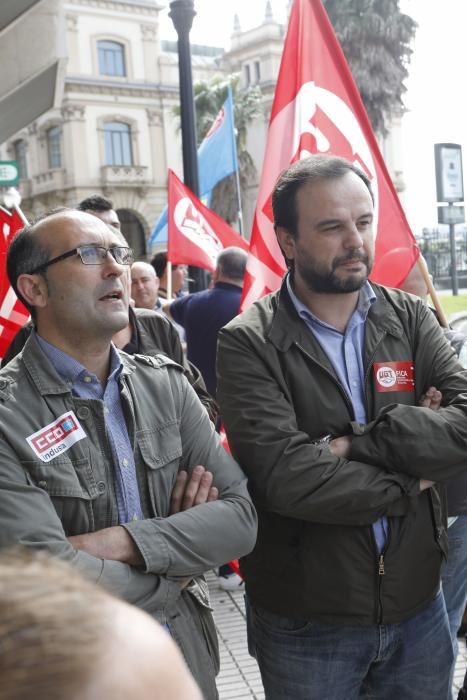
301 660
454 578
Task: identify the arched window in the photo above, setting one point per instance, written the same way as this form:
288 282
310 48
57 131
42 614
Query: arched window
20 147
118 144
54 151
111 58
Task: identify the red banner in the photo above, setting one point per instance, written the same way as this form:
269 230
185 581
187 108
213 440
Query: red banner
317 109
196 234
13 315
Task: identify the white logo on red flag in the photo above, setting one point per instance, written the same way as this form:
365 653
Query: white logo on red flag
196 234
317 109
194 226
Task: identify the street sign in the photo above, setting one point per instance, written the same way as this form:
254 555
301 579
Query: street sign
9 173
451 215
448 168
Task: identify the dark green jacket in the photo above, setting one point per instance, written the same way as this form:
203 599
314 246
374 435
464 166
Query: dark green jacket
315 556
43 503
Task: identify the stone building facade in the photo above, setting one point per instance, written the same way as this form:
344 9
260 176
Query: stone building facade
114 131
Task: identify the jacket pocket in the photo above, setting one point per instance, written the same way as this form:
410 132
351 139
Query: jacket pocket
72 488
161 451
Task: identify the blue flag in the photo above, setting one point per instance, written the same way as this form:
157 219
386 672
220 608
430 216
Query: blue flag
217 158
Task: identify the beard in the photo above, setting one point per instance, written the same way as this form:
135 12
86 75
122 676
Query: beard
321 280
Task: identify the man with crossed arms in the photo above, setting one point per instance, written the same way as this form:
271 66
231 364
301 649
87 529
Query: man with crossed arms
101 453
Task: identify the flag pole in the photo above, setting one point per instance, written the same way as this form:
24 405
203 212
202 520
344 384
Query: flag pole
18 210
237 169
432 292
169 280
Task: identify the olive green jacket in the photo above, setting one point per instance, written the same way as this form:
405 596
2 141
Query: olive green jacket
43 503
315 556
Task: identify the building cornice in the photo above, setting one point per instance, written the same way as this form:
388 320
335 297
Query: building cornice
98 86
146 7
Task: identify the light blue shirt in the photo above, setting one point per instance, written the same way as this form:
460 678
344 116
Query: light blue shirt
86 385
345 353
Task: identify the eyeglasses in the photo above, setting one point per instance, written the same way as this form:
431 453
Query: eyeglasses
92 255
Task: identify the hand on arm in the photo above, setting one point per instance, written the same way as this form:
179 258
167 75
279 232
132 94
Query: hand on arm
110 543
193 491
341 446
117 544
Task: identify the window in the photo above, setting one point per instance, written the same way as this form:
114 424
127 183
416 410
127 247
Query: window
118 144
247 74
54 151
111 58
257 72
20 157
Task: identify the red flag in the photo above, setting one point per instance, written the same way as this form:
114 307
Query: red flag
13 314
196 234
317 109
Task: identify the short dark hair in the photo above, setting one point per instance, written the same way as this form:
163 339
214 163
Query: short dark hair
231 263
26 253
95 203
159 263
313 169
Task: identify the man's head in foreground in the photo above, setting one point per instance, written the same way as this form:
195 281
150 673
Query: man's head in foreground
71 271
144 285
102 208
62 637
323 217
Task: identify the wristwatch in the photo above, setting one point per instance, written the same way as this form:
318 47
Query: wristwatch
325 440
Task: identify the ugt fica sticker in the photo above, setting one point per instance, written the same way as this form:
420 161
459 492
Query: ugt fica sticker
56 437
394 376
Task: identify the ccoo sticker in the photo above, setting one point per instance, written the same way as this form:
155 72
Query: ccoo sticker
57 437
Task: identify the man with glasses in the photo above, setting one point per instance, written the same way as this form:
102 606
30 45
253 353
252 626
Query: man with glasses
96 448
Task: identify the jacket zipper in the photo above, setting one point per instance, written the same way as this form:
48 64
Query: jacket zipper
380 559
381 564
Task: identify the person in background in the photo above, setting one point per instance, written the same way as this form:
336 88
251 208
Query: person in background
62 637
319 386
102 208
145 286
159 263
203 314
454 570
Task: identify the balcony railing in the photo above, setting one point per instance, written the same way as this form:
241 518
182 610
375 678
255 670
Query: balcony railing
48 181
124 175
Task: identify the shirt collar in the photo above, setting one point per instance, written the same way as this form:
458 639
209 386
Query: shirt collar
365 300
69 369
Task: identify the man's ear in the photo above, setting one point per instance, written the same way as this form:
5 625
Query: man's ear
286 242
33 288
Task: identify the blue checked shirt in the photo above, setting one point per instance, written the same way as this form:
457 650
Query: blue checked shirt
86 385
345 353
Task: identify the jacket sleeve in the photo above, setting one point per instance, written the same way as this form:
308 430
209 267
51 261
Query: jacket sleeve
200 538
418 441
28 518
288 474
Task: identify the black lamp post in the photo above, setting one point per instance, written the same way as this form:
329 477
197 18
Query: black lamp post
182 13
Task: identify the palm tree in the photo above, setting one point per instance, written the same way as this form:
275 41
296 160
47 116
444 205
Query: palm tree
209 96
375 37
